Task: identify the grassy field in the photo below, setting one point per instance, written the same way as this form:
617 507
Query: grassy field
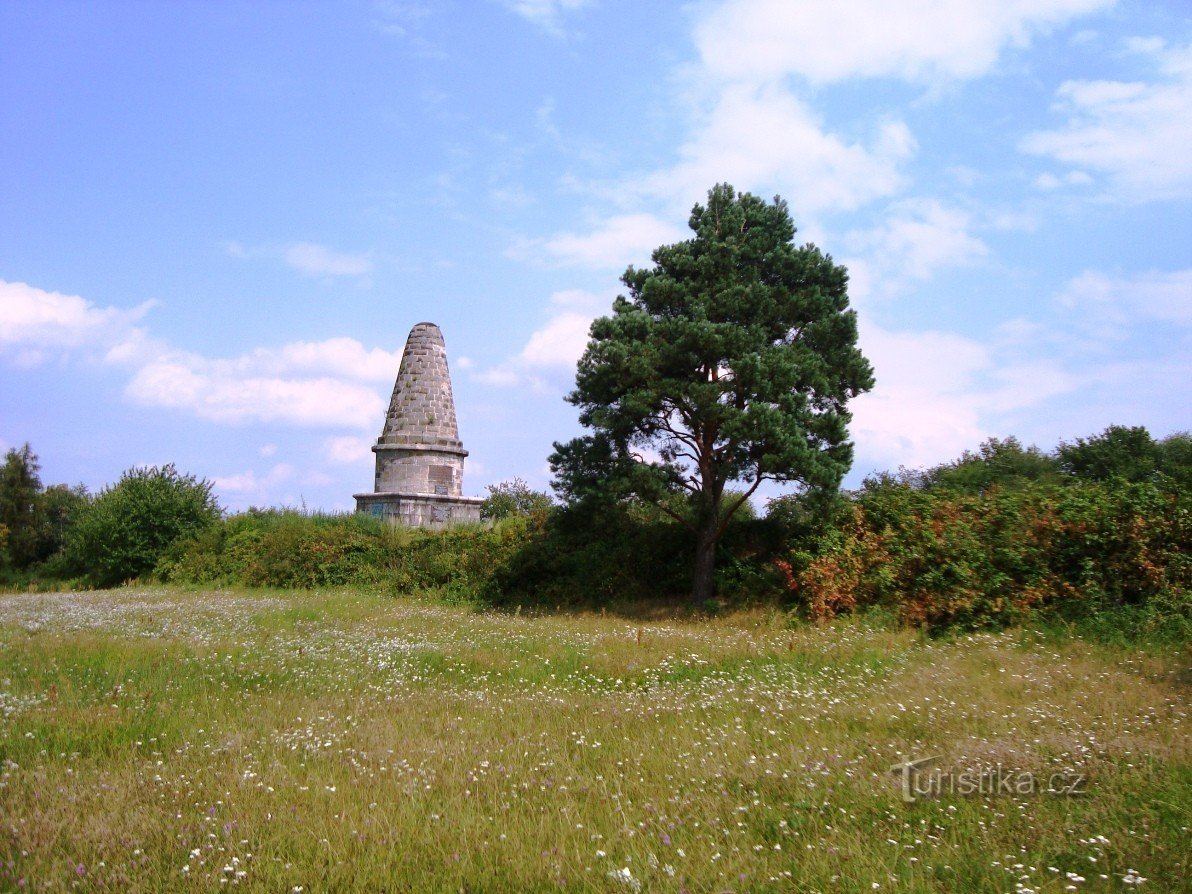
167 740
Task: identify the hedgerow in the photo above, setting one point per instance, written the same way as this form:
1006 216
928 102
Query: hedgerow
944 559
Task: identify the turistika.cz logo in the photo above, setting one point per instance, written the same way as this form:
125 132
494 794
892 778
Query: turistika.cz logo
919 780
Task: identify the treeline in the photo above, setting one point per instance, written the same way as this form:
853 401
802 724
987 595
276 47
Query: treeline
62 534
1098 528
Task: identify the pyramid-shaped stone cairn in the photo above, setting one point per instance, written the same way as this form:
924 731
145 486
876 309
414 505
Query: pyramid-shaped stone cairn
420 458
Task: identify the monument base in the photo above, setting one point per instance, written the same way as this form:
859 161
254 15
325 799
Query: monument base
419 510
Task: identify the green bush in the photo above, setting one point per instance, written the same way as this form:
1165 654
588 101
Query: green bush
129 527
279 548
596 553
513 498
288 549
463 562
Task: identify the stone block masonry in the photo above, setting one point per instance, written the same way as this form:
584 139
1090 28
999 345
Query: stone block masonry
420 458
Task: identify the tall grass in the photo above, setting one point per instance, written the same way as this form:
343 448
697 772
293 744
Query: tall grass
340 740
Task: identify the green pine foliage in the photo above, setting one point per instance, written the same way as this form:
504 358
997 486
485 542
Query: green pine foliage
731 360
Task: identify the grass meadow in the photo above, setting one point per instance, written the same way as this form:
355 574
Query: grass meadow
161 739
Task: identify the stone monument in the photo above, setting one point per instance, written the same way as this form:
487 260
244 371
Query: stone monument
420 458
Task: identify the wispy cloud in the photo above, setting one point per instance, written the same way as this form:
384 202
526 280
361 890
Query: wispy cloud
1114 303
250 483
917 239
545 14
762 40
318 260
348 450
406 22
939 393
612 244
309 258
1129 132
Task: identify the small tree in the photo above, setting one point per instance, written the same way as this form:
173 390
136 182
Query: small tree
59 505
732 359
1118 452
513 498
1001 463
1175 459
20 487
127 528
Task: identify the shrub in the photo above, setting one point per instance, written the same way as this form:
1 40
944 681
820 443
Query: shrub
974 560
1118 452
461 561
996 463
288 549
129 526
279 548
513 498
596 553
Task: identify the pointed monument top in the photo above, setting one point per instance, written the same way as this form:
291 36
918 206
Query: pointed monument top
422 409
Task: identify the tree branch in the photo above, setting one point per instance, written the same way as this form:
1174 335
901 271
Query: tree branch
737 505
680 519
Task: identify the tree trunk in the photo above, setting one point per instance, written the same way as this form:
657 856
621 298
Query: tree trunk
703 588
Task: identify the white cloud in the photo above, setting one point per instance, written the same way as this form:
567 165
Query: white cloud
502 377
249 482
546 14
1024 384
1118 301
218 390
922 410
348 449
32 319
1048 181
1130 132
761 40
560 342
318 260
327 383
340 356
615 243
764 138
556 346
941 393
917 239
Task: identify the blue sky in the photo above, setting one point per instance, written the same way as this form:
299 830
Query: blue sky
220 220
